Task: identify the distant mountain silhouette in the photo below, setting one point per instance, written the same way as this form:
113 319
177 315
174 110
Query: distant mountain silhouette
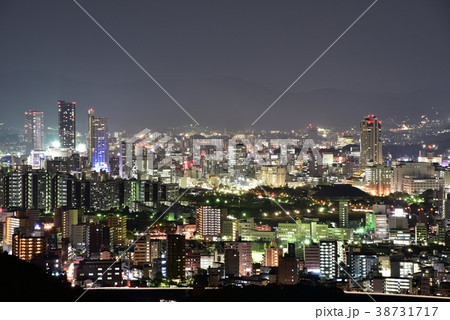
218 102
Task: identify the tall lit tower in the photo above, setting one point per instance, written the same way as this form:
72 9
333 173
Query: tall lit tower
98 142
371 147
34 130
66 124
343 214
329 268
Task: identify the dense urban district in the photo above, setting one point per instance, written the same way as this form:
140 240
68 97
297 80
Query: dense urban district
365 209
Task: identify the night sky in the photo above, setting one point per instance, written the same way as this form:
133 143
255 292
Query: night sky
224 61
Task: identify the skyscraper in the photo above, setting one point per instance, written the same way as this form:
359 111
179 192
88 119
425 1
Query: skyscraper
98 142
34 130
371 146
66 124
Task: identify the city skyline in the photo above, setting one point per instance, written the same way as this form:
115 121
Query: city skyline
225 151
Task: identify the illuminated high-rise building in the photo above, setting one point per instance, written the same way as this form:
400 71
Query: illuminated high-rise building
15 186
343 214
230 228
34 130
63 191
98 142
118 229
66 124
11 223
442 200
146 249
65 219
328 260
421 233
381 226
361 264
237 163
371 146
378 180
209 222
312 258
272 256
2 189
37 190
26 247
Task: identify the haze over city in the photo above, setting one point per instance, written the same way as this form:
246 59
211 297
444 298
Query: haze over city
225 61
